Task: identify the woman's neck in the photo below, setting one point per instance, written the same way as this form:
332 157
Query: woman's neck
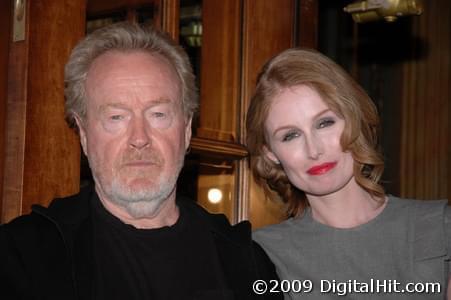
349 207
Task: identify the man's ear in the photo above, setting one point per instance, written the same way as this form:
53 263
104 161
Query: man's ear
270 155
82 133
188 132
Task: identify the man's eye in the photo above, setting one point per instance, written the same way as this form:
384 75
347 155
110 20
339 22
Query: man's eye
289 136
116 117
158 115
325 123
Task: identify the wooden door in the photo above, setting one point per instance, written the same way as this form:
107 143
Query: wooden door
41 158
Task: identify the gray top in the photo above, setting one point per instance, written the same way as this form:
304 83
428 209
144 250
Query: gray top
408 242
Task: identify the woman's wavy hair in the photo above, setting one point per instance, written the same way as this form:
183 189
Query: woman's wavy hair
124 37
342 95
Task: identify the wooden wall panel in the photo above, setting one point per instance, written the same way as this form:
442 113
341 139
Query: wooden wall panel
42 155
52 154
220 70
5 27
425 165
94 7
307 29
269 28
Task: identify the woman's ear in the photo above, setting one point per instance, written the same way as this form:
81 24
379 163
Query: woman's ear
270 155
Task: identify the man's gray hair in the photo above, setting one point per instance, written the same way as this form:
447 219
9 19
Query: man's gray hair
124 37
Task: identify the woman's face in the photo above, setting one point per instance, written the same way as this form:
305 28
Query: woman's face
303 135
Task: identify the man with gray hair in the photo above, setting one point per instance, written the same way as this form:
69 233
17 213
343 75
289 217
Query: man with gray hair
130 94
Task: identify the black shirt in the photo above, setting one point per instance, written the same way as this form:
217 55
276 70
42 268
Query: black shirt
172 262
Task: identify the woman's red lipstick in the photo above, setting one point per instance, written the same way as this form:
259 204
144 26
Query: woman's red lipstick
321 169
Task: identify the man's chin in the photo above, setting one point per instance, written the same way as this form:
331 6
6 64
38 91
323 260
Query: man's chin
136 192
139 184
141 202
132 173
141 190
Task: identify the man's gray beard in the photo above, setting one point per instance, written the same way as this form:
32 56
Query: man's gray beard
144 202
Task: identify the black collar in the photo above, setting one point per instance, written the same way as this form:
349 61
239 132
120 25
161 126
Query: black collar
71 212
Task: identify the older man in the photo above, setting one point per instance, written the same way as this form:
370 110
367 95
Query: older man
130 93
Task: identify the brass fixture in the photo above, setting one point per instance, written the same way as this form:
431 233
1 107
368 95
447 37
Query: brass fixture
388 10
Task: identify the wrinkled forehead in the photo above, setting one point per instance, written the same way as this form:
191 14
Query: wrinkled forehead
116 72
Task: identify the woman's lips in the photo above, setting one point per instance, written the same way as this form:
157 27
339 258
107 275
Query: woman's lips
321 169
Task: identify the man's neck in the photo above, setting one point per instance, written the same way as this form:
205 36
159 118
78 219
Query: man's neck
166 214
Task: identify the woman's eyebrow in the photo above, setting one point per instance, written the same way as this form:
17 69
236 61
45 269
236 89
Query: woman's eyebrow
317 115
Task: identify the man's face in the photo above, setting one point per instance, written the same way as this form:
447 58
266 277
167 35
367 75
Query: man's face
135 133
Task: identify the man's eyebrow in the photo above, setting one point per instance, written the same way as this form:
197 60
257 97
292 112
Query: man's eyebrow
121 105
159 101
316 116
118 105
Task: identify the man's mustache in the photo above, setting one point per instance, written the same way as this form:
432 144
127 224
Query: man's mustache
146 155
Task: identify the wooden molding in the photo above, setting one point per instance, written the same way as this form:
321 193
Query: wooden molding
15 127
226 150
5 30
170 15
215 135
102 7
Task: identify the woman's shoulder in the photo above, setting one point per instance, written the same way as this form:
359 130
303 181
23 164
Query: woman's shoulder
424 204
421 209
273 233
423 214
429 223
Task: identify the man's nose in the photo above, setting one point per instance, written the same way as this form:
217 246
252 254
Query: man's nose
139 134
313 147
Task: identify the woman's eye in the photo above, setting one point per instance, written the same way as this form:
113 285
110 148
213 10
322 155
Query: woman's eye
325 123
289 136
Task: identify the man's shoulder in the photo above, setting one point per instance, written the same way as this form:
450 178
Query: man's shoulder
242 259
67 210
72 209
219 224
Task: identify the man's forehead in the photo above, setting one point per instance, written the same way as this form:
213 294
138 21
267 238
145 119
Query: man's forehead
117 59
120 73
